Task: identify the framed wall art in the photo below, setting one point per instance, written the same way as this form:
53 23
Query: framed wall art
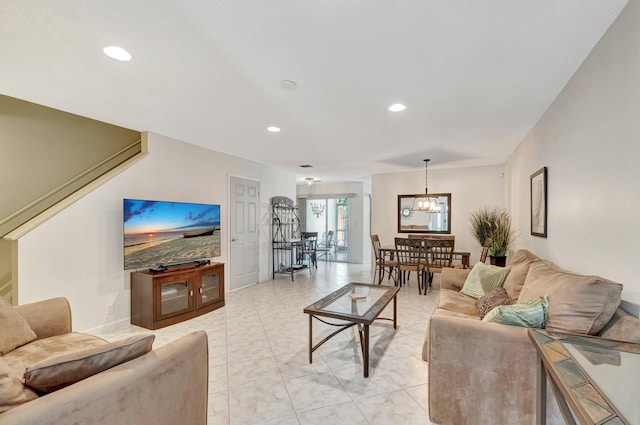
539 203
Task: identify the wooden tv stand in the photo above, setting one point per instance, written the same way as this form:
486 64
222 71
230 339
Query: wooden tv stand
160 299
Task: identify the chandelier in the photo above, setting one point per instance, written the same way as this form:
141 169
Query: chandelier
317 209
427 203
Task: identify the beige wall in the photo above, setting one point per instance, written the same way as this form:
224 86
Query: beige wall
589 138
78 253
47 154
470 188
5 268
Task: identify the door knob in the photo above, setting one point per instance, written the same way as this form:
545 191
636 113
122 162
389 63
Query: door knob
234 240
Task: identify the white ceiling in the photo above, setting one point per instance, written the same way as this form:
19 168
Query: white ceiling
476 75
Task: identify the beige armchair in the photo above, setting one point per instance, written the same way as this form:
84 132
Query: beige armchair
166 386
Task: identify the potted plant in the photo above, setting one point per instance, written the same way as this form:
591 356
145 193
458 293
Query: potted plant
502 236
482 222
493 223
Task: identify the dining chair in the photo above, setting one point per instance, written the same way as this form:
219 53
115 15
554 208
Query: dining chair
324 249
485 250
439 253
412 257
309 241
483 255
384 263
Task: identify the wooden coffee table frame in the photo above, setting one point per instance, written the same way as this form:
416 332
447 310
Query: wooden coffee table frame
317 310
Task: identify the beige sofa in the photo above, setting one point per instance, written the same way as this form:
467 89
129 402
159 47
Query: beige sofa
486 373
168 385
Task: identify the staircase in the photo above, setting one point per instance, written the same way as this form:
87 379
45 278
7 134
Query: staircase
49 158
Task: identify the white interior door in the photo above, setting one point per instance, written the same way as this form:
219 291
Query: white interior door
245 203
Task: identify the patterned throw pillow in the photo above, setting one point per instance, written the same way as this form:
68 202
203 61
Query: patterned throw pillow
493 299
484 279
528 314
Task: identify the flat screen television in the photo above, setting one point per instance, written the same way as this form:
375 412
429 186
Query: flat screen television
162 233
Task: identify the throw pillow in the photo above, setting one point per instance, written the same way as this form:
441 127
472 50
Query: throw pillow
493 299
484 279
519 263
12 391
60 371
15 329
579 303
528 314
622 327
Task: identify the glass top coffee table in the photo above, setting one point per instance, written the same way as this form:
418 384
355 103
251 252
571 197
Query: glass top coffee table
353 304
599 379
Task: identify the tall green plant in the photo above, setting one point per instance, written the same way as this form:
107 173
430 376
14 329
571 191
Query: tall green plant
483 221
502 235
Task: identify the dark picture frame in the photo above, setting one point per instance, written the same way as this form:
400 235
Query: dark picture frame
411 220
538 188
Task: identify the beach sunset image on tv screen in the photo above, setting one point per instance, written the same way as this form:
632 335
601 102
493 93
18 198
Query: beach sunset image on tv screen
164 233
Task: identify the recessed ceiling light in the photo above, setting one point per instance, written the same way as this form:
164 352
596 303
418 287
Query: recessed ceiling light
397 107
273 129
117 53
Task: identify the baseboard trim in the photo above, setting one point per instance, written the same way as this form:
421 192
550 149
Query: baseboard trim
108 327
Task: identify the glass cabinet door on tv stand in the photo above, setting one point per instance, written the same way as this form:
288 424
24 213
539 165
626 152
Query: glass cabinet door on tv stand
174 295
210 289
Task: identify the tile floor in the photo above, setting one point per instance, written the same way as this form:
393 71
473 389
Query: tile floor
258 367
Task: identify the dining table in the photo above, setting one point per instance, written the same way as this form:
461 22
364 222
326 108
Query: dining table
463 256
389 251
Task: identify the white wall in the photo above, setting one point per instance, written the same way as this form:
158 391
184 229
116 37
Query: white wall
470 189
590 140
358 221
78 253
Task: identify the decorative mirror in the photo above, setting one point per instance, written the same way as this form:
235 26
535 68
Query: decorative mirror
424 213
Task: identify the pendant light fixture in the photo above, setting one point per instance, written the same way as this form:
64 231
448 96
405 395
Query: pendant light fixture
428 203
